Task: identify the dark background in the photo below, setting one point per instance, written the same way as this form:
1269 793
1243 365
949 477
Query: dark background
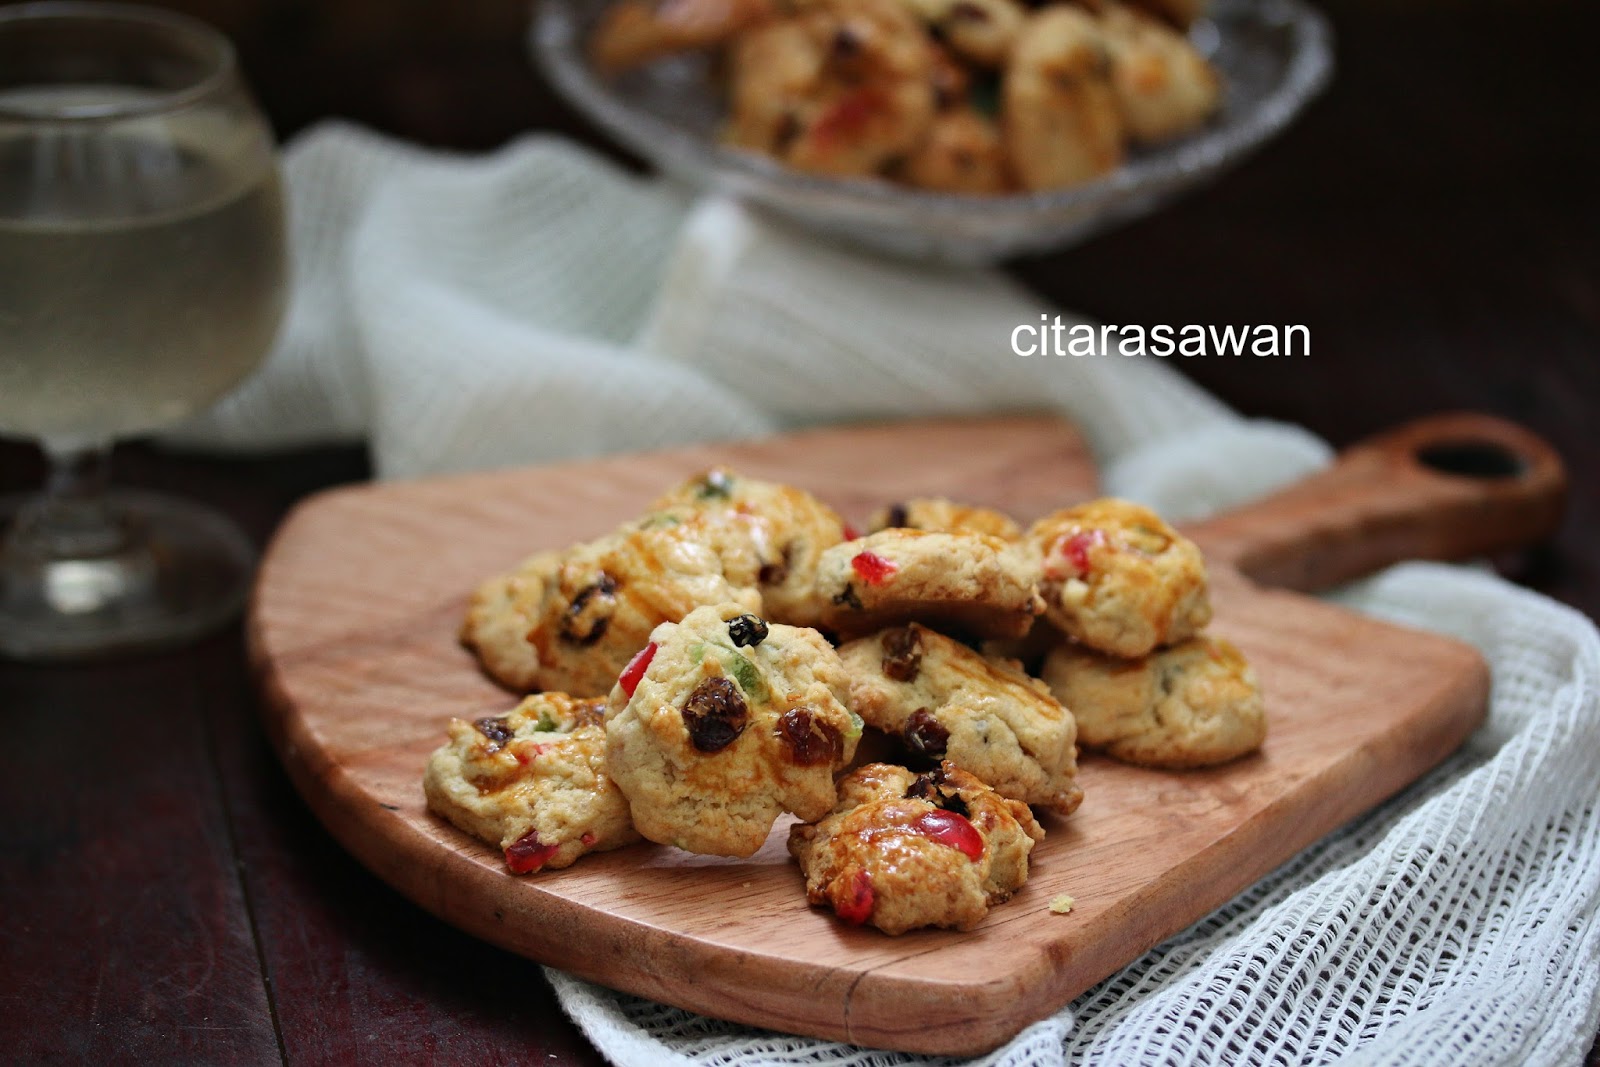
164 896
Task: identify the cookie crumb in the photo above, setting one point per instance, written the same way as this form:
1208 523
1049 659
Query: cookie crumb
1061 904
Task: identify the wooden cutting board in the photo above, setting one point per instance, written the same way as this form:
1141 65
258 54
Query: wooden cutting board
353 632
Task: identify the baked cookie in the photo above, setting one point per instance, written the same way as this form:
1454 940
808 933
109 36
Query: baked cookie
500 614
985 716
982 31
903 850
939 515
531 782
962 153
841 88
1061 123
1118 578
1164 87
768 535
723 722
605 597
1191 705
971 583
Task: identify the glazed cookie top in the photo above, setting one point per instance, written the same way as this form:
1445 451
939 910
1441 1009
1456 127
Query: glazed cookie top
605 598
531 781
769 536
1118 578
722 722
939 515
983 714
1195 704
903 850
971 583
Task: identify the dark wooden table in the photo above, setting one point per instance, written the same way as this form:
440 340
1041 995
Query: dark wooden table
164 895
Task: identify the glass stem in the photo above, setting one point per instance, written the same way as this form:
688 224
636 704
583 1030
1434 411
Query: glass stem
71 519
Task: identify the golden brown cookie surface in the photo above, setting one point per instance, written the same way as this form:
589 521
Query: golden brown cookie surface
942 515
984 715
1060 113
1118 578
532 782
500 614
1195 704
1164 88
902 850
839 88
971 583
727 722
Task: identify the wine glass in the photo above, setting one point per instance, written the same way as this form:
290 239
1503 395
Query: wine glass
142 275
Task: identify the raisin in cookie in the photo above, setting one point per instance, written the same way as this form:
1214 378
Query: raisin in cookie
984 715
1191 705
1119 579
605 598
722 723
768 535
532 782
968 582
500 614
902 850
938 515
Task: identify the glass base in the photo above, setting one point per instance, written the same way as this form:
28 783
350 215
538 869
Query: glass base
181 570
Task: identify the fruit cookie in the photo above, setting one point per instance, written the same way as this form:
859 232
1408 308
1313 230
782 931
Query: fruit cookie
903 850
1118 578
1164 87
842 87
985 716
983 31
971 583
1061 122
938 515
605 598
724 721
500 614
1191 705
532 782
768 535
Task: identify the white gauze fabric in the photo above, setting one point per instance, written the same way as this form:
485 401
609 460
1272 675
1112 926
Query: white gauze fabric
536 304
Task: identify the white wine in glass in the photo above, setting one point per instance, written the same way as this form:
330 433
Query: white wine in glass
142 276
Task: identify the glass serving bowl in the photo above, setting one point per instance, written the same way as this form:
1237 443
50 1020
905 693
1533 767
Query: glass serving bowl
1274 57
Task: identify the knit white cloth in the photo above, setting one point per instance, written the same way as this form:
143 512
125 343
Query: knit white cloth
536 304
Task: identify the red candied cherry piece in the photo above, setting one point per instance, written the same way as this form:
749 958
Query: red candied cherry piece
1074 549
588 839
851 533
527 854
527 754
858 909
948 828
873 568
629 679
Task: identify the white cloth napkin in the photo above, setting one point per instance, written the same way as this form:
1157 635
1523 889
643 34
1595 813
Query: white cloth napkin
536 304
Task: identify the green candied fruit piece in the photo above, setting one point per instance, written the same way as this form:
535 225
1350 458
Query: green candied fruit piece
545 724
715 485
697 652
663 519
855 727
745 673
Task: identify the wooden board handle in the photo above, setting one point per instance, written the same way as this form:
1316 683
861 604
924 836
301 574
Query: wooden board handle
1447 487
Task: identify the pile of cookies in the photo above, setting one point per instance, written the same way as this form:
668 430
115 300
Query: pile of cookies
718 662
961 96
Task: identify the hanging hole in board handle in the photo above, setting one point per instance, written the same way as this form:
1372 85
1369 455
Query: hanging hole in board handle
1472 459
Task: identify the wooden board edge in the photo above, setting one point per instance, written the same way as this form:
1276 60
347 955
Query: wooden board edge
872 1005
